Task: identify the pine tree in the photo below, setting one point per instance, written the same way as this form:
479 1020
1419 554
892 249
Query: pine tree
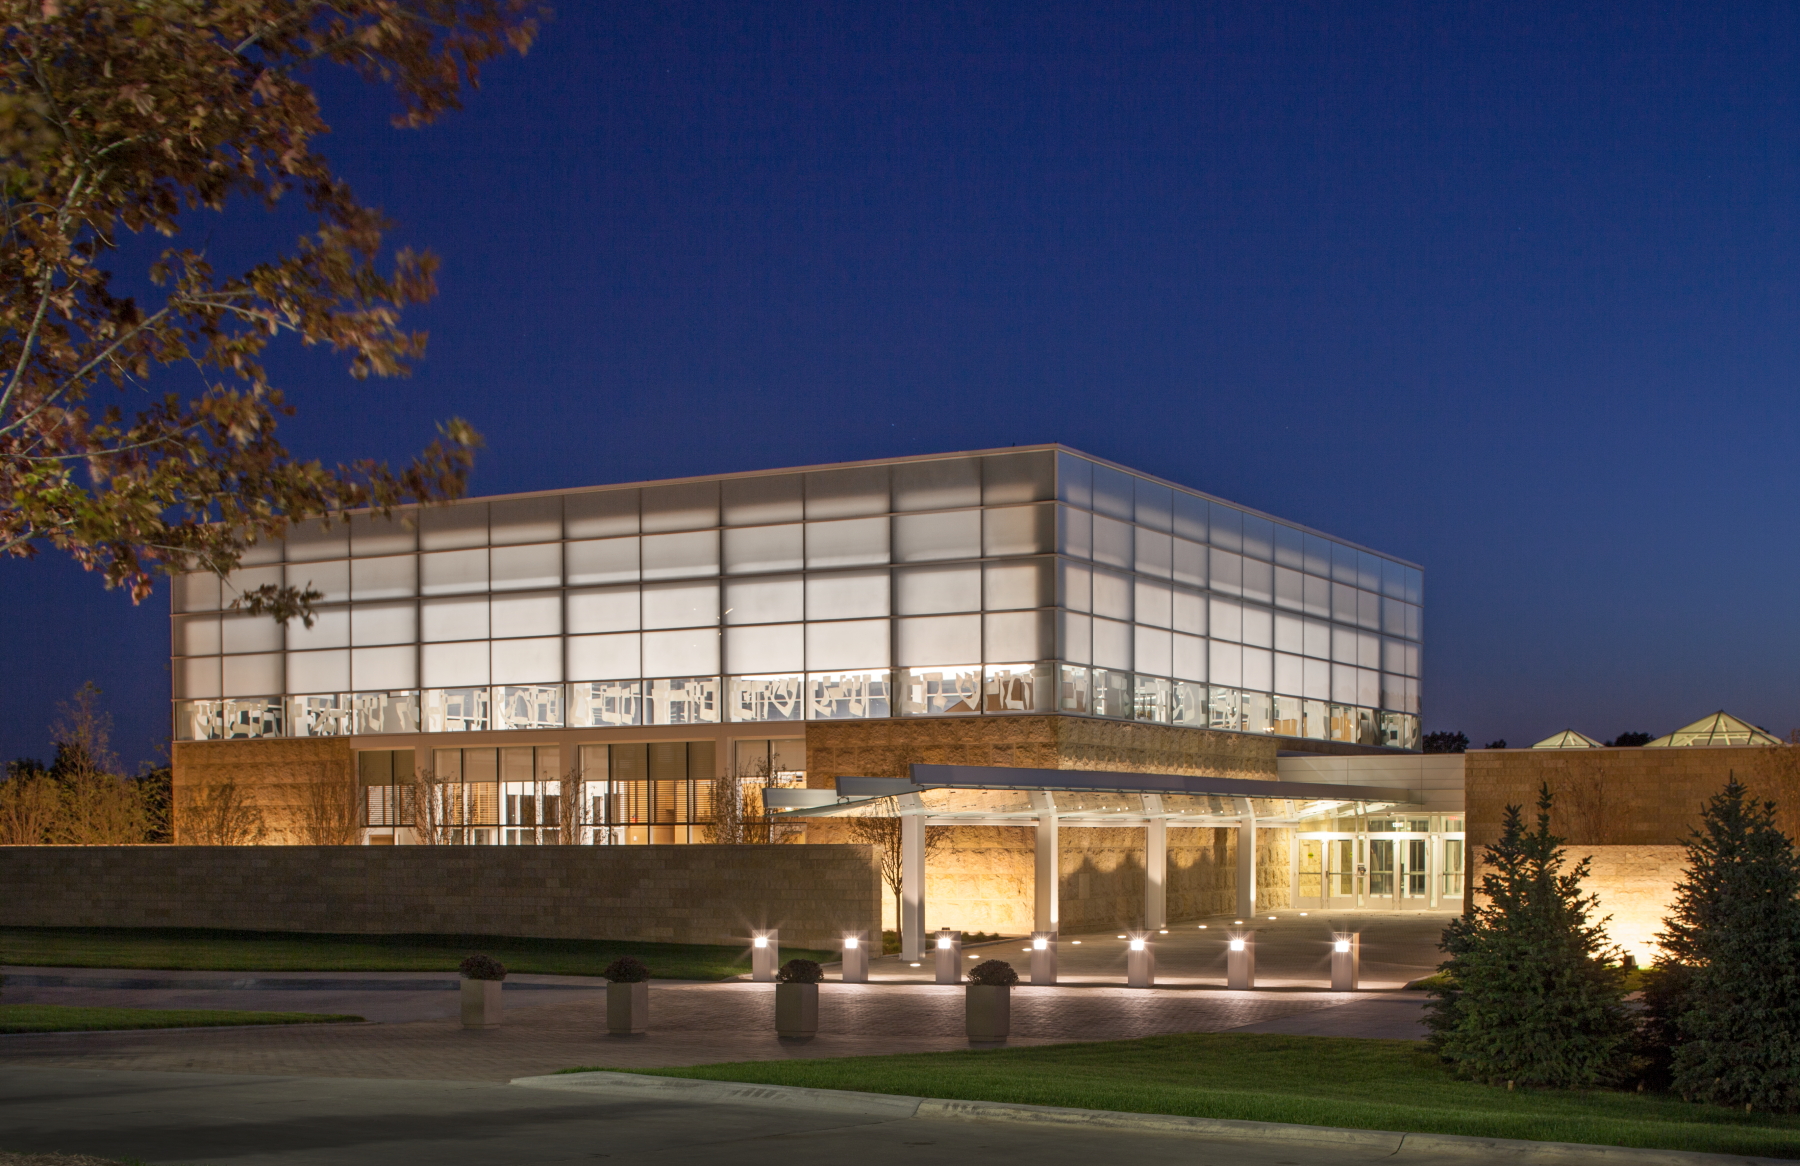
1536 994
1735 931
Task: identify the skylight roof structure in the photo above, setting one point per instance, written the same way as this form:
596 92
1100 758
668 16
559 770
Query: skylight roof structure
1568 739
1720 728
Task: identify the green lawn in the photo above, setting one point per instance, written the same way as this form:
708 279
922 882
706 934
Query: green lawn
64 1018
1325 1081
188 949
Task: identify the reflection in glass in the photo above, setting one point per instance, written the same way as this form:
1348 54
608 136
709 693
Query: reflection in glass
1318 720
529 706
325 715
833 696
606 702
1112 693
1258 710
1073 690
1152 699
767 698
931 692
1286 717
383 712
1017 688
1225 708
456 710
1189 705
687 700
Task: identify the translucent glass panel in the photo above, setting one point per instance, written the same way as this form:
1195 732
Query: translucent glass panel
195 635
1021 477
307 541
680 605
452 665
765 648
938 640
682 506
524 520
251 675
453 572
318 671
608 560
756 501
384 668
922 538
462 618
847 492
937 485
525 567
331 580
935 590
765 548
847 595
772 600
847 543
607 657
685 652
196 592
371 534
851 645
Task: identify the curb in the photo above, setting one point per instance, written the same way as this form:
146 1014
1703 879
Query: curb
893 1107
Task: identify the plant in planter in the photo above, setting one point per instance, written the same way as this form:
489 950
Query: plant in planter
987 1002
482 979
797 999
627 996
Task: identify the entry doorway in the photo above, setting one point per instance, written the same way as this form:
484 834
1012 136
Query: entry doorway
1409 863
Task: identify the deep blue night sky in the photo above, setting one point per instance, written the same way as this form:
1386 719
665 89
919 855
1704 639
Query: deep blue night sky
1511 294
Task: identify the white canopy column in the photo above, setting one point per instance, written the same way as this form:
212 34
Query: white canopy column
912 877
1246 859
1156 864
1046 908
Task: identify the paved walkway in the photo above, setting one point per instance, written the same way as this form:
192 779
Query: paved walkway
1292 951
701 1023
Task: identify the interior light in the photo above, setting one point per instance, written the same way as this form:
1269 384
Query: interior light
1040 945
1237 945
1137 945
850 943
1341 945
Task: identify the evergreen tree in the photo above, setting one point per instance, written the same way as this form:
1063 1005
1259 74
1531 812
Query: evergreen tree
1536 993
1735 933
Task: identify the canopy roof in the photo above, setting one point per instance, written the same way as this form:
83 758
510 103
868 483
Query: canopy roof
1568 739
1721 728
1000 796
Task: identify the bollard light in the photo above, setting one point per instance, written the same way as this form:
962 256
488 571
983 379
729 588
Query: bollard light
1342 945
1137 945
1040 944
765 955
948 956
943 943
1237 945
1043 957
1140 961
1346 960
856 958
1240 962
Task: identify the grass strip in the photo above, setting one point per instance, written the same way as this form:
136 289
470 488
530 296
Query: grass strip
74 1018
1325 1081
197 949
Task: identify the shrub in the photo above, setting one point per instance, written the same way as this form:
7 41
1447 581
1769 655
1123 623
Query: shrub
1733 948
626 970
482 967
800 972
1534 992
994 973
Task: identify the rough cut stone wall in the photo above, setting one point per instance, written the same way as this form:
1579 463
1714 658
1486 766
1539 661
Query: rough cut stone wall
1619 797
1636 885
885 748
276 776
669 894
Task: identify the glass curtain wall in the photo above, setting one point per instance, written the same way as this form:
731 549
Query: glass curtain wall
1010 583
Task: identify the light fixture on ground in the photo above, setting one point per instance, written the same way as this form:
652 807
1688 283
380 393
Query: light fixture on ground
1240 960
1140 961
1346 960
947 950
856 957
765 955
1043 957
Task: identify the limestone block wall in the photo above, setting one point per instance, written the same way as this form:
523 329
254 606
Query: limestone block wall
278 777
885 748
670 894
1636 885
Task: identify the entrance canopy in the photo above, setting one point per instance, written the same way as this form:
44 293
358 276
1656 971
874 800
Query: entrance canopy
1047 799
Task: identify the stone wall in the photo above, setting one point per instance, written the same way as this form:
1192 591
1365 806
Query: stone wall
666 894
278 777
1636 884
885 748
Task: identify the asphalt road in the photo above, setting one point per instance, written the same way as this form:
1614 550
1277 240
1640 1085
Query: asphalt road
197 1118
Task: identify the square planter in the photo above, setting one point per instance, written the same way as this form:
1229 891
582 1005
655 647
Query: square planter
481 1003
987 1011
627 1008
796 1010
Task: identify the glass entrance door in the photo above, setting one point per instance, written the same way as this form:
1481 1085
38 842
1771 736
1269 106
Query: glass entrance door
1416 871
1381 868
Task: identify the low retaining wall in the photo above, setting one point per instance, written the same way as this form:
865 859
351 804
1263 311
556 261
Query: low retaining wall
653 894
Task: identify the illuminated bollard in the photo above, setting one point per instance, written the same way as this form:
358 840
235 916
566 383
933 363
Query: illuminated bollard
1240 960
856 957
765 955
1140 961
947 950
1346 960
1043 957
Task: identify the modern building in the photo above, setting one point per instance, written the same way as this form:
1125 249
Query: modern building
1025 606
